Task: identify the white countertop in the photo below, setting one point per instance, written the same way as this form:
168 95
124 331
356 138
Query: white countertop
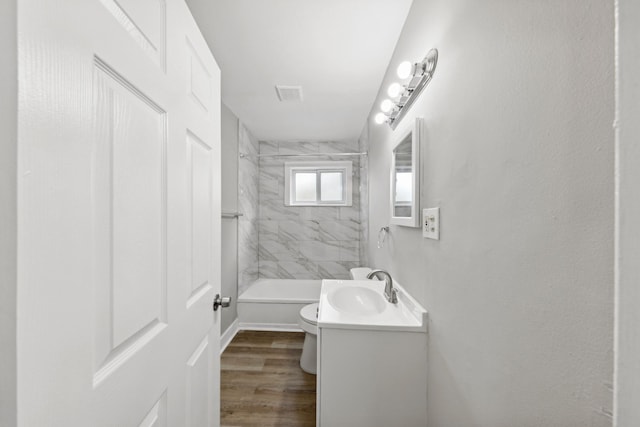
407 315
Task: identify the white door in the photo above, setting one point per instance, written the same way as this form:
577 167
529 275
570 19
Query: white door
119 215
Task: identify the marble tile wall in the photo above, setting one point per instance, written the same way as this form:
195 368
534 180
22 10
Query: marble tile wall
363 144
248 202
296 242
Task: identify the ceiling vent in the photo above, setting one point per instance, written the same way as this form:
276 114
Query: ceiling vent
289 93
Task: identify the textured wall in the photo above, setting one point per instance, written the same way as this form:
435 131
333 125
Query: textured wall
8 210
519 157
627 407
248 205
306 242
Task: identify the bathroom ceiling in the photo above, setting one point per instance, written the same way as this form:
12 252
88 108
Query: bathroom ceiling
336 50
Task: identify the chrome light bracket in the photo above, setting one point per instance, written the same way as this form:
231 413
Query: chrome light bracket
423 75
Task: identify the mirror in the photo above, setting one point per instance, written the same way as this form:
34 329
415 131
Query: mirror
405 178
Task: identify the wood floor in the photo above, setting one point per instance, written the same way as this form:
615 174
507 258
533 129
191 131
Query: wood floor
262 384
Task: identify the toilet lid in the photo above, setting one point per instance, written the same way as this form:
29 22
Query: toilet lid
310 313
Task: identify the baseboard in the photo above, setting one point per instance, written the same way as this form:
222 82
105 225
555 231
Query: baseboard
273 327
228 335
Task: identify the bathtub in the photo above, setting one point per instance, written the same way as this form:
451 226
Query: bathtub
274 304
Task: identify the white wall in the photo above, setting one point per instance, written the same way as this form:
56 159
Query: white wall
229 123
229 160
627 407
519 156
8 209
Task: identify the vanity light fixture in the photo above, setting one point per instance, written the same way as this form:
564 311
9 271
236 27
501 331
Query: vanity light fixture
380 118
402 96
395 89
387 105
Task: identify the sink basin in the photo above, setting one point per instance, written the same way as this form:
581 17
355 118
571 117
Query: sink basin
360 304
357 300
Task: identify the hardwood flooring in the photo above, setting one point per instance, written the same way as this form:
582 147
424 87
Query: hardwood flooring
262 384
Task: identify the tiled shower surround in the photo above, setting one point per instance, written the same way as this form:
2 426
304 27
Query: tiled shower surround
313 242
363 143
247 204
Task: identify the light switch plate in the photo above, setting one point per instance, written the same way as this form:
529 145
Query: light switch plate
431 223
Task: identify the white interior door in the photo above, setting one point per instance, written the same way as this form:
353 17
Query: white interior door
119 215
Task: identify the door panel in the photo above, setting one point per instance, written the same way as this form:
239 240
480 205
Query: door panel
131 220
119 235
157 416
145 21
200 84
200 195
197 413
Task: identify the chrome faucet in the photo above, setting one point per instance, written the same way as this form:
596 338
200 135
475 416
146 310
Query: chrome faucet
389 292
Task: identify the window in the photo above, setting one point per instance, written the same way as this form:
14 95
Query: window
317 183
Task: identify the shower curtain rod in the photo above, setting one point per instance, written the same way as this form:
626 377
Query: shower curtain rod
242 155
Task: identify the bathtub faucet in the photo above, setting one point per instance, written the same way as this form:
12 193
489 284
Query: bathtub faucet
389 291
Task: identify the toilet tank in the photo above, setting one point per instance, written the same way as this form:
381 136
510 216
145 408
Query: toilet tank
359 273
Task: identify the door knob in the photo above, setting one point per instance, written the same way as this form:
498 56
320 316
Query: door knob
219 301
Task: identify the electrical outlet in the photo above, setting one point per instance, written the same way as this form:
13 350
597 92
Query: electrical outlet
431 223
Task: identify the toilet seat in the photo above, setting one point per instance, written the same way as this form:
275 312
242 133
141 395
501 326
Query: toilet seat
308 318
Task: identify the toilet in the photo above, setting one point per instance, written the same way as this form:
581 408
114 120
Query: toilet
359 273
308 321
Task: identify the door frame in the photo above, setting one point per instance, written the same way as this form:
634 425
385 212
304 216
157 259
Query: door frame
626 411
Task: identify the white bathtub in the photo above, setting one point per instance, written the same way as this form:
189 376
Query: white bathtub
274 304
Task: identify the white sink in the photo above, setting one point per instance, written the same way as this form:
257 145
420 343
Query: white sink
359 333
360 304
357 300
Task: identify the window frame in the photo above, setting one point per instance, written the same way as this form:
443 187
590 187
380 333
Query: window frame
319 167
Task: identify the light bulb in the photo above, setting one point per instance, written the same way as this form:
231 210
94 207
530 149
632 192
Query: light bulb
380 118
395 90
386 105
404 69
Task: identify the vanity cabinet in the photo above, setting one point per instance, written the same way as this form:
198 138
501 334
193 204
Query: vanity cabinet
372 374
371 378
